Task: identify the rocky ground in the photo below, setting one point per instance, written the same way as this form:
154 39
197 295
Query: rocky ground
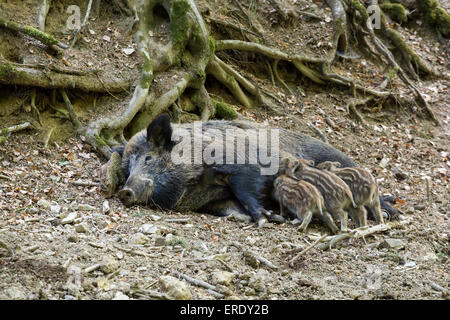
61 239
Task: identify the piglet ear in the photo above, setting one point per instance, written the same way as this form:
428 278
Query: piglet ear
159 132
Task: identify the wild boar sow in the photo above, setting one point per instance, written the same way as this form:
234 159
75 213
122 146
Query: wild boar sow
218 167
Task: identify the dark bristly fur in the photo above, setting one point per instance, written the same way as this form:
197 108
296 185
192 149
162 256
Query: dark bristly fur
152 178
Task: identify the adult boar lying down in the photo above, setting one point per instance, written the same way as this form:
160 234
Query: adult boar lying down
205 167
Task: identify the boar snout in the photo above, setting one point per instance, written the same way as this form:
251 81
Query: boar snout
127 196
136 190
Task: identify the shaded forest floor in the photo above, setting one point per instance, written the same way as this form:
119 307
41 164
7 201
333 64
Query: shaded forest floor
44 253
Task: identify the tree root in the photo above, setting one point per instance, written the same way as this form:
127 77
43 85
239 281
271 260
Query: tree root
5 132
33 76
43 37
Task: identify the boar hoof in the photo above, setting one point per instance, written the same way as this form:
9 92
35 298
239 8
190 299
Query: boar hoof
277 218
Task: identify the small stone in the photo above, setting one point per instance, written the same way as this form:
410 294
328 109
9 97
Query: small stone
410 264
56 209
70 218
175 288
249 291
128 51
155 217
45 204
384 162
419 207
120 296
222 277
119 255
148 229
103 283
109 265
257 281
160 242
392 244
73 238
138 238
399 174
15 293
69 297
82 228
86 207
106 38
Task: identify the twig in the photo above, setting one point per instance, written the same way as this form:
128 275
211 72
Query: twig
306 250
82 24
84 183
251 254
15 128
200 283
73 117
47 137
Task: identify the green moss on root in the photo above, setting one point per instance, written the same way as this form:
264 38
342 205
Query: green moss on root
6 69
179 22
436 16
395 11
224 110
100 141
2 139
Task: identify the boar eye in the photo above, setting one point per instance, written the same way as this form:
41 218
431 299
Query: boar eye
148 158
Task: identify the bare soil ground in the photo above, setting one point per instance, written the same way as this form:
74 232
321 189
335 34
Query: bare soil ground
105 254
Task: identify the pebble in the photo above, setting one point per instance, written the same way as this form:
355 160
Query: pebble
45 204
175 288
82 228
56 209
419 207
257 281
392 244
70 218
410 264
103 283
138 238
148 229
120 296
86 207
160 242
155 217
109 265
222 277
73 238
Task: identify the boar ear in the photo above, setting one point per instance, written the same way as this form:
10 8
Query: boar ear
159 132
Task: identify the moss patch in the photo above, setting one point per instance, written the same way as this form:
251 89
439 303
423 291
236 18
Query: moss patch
224 110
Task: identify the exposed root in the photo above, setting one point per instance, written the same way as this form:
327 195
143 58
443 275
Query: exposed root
36 76
5 132
35 110
73 117
43 37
